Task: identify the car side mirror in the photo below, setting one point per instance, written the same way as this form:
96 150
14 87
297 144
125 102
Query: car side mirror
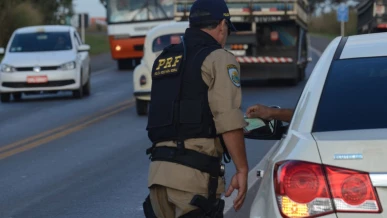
2 51
310 59
83 48
273 130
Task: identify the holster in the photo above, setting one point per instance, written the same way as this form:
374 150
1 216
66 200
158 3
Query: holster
205 210
148 209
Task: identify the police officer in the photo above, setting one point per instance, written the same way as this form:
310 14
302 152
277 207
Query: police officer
195 119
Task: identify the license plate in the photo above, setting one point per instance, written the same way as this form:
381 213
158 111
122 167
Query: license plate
238 52
37 79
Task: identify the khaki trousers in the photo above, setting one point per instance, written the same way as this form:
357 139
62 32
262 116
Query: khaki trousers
171 203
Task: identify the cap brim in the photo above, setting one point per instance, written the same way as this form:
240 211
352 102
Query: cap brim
232 27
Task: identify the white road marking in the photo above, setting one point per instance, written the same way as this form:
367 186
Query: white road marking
317 52
103 71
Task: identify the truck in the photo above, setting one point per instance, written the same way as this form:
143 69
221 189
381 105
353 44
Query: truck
128 22
272 38
371 16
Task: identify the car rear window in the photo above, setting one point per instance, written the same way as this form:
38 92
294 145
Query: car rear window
163 41
354 96
44 41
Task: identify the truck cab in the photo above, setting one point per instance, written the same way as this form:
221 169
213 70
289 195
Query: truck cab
271 42
371 16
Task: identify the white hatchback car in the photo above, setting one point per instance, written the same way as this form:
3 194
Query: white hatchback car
331 161
156 40
44 58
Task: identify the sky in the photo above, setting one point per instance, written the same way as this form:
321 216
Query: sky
93 7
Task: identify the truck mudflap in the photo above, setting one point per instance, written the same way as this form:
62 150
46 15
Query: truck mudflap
265 59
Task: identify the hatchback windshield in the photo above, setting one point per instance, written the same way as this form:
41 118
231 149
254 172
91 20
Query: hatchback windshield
354 96
45 41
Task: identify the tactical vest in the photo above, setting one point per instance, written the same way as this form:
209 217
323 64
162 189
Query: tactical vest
179 107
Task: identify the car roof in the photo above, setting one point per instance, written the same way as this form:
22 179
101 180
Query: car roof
365 45
167 28
44 28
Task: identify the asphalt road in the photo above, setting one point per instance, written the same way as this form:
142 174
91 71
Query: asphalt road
65 158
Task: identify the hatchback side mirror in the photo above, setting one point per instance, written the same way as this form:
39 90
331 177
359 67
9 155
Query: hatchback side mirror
310 59
83 48
273 130
2 51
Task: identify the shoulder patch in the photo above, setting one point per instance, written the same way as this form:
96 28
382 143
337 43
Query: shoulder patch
234 74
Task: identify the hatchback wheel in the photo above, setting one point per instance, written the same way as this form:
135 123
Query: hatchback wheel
79 92
87 87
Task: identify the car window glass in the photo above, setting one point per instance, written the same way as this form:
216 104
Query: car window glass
78 38
163 41
354 96
41 41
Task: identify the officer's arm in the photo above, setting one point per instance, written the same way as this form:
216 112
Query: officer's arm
225 97
236 147
282 114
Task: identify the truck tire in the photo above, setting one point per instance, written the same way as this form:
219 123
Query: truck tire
121 64
141 107
17 96
5 97
125 64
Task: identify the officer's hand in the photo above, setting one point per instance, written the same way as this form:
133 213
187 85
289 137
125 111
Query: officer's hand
259 111
238 181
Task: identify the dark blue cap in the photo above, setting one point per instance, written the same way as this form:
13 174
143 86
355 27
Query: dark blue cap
210 10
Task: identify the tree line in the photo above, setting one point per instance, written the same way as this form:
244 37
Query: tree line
20 13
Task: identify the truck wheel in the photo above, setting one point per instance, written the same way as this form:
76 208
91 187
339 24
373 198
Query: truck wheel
137 62
125 64
5 97
141 107
293 81
17 96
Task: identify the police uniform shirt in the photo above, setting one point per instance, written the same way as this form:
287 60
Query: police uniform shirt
220 71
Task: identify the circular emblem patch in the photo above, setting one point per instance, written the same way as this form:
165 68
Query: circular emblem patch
234 74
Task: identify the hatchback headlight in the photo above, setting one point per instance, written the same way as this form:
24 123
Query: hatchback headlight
68 66
6 68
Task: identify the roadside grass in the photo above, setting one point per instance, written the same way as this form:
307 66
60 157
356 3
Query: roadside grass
327 25
99 43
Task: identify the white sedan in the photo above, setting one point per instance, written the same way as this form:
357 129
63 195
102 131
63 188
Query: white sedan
155 41
331 160
44 59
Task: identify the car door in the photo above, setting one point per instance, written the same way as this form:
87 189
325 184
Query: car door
82 58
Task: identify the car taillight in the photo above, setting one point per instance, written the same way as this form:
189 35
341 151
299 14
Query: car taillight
306 189
352 191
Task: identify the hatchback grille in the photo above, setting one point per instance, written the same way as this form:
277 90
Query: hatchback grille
21 69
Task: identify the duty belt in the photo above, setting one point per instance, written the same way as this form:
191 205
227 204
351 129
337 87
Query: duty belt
187 157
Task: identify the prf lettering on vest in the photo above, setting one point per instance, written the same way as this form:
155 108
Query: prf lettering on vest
168 65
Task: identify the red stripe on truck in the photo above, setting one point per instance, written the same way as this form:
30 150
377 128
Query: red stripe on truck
250 60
